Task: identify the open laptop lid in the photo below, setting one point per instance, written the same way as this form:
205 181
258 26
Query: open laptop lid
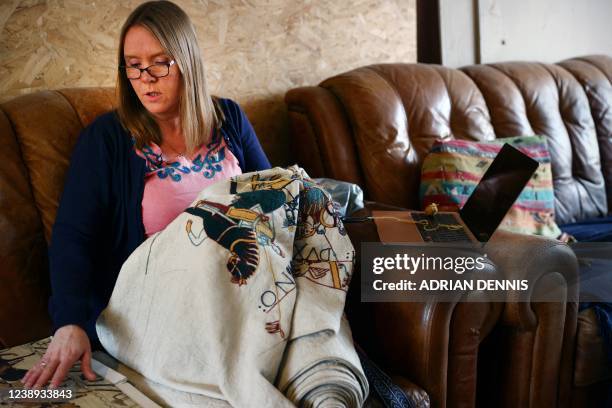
497 191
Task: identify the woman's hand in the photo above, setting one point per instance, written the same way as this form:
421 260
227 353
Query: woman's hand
70 344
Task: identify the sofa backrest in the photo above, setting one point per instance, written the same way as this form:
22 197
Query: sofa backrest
546 99
374 125
595 76
397 111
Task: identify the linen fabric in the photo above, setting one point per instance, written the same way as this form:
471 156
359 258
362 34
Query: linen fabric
99 218
241 298
453 168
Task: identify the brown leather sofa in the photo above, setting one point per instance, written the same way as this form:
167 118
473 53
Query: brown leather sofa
374 125
38 132
442 347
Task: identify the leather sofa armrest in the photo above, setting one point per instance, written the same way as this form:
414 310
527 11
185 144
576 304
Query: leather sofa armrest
538 337
412 391
532 257
434 344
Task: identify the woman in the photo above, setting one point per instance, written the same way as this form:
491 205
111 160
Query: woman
133 171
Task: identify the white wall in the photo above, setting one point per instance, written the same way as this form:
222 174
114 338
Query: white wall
544 30
458 32
481 31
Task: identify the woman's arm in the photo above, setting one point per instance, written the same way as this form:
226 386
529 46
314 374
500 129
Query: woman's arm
81 214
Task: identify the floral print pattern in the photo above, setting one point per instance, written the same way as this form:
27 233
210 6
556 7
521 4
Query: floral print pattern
208 161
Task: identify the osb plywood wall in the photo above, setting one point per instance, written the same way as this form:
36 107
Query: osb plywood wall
254 50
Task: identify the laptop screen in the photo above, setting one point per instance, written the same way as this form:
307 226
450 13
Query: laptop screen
498 189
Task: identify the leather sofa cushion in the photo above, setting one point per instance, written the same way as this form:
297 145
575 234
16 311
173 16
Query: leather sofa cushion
47 135
23 251
545 99
595 75
396 112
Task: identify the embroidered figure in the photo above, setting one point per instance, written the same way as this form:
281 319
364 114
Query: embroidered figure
239 228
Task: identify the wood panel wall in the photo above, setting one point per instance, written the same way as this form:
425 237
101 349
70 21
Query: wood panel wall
254 50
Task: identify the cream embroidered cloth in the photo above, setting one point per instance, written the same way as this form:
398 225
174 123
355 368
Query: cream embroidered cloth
240 299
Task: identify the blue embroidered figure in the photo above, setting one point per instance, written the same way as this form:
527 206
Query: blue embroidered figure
211 163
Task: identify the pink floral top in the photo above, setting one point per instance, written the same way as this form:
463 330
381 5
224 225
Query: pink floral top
171 186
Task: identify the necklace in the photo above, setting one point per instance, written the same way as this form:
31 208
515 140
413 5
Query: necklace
167 158
178 153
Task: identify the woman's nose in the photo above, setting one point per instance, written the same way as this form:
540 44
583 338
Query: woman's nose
146 77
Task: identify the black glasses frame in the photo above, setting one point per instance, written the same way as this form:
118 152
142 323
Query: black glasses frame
167 64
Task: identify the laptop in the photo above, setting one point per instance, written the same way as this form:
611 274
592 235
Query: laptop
482 213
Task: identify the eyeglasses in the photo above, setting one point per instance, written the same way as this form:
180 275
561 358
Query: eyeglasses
159 70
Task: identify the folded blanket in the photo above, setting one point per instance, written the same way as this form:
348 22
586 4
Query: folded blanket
241 298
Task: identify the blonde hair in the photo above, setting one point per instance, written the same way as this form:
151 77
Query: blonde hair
199 112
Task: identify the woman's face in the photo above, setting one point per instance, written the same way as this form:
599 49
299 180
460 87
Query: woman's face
160 96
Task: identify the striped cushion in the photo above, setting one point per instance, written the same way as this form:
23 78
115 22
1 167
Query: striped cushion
453 168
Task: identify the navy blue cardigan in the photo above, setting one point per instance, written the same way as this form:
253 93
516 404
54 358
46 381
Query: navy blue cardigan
99 219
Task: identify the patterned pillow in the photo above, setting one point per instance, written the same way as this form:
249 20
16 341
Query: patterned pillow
452 169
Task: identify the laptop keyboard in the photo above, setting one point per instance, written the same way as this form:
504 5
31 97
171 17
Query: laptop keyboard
441 234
